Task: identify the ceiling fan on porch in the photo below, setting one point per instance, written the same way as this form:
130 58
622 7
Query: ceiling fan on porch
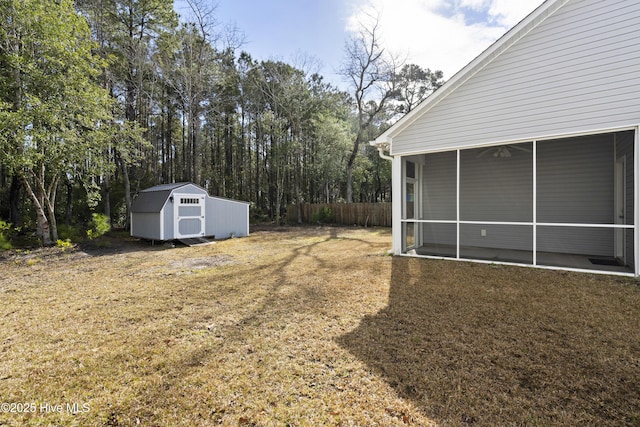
502 151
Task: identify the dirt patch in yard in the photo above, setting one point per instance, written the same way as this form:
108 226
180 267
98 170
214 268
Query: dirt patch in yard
310 326
200 263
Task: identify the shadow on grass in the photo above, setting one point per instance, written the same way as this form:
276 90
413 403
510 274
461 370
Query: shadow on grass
487 345
269 311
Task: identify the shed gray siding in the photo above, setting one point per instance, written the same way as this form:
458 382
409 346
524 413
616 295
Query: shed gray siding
576 71
168 216
229 217
146 225
190 189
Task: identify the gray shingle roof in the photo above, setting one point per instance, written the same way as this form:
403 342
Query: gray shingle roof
164 187
150 201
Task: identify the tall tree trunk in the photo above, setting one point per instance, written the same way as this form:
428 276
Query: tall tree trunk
194 147
43 227
68 214
350 164
107 197
257 177
127 189
50 203
349 192
298 192
184 173
169 148
15 214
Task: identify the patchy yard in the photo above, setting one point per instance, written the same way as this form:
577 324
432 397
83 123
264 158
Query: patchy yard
307 326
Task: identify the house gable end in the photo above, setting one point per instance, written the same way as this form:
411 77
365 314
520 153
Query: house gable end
570 66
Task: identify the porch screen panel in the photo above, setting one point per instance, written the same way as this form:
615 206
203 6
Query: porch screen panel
630 255
588 184
496 242
586 248
496 187
496 184
575 180
439 239
575 240
439 186
624 149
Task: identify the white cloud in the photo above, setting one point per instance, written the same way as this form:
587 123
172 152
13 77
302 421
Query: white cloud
509 12
437 33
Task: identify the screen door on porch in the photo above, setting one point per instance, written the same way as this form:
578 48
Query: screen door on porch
410 207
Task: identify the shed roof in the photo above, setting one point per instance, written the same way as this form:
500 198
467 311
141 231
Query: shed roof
165 187
152 199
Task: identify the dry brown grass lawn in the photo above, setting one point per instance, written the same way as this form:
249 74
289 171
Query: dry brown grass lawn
307 326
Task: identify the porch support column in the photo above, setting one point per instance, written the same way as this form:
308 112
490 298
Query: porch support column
535 203
457 204
636 202
396 202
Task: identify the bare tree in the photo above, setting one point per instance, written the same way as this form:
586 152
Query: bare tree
370 71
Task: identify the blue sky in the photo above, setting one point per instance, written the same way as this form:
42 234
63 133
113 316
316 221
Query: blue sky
436 34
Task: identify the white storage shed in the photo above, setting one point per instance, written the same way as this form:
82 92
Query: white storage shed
185 210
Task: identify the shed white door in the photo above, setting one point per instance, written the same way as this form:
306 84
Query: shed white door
189 215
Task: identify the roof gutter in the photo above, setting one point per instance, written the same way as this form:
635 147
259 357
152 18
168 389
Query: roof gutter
381 146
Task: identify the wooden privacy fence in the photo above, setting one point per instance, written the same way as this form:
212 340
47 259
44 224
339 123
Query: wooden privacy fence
364 214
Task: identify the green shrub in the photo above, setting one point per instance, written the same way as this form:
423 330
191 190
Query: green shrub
64 244
98 226
5 229
70 233
324 215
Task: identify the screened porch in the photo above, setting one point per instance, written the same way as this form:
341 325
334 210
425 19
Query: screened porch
565 203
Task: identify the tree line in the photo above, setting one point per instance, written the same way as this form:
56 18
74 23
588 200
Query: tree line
100 99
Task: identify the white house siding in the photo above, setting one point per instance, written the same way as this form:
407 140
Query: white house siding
577 71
